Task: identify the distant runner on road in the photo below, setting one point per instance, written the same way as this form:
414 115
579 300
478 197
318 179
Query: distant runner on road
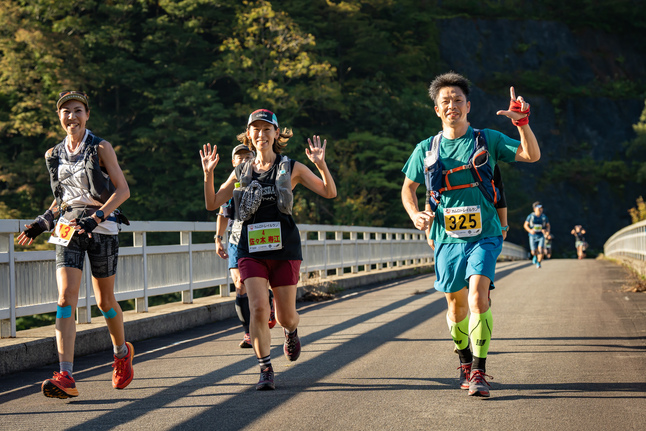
579 242
537 226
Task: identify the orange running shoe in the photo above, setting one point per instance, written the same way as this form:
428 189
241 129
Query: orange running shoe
123 371
246 342
61 386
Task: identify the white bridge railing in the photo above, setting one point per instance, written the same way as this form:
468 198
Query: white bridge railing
28 279
628 242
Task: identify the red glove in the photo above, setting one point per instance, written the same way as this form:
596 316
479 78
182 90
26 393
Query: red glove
515 107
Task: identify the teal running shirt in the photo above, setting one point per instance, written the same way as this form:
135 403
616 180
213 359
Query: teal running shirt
465 213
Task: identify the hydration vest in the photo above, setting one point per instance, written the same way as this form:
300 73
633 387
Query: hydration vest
101 188
283 184
437 178
541 218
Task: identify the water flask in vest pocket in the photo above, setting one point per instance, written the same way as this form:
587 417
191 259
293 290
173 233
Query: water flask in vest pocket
433 176
284 191
481 170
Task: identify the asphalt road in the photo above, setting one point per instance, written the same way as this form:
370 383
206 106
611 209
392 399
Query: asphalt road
569 353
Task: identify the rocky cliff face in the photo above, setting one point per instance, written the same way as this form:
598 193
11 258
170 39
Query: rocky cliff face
492 53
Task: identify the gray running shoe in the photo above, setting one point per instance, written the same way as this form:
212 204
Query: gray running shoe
478 385
266 382
465 374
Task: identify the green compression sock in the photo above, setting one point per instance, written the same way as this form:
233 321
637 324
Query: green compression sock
459 332
480 327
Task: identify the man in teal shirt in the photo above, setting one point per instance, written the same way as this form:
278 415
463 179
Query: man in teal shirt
465 253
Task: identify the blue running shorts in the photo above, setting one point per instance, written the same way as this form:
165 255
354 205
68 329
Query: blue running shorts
536 242
455 263
233 255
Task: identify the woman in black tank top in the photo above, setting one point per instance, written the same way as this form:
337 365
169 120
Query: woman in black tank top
269 250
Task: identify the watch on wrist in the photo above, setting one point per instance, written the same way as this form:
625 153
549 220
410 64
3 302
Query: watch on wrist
100 215
220 237
505 228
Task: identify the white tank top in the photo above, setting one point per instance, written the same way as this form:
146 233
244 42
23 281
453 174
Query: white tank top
76 186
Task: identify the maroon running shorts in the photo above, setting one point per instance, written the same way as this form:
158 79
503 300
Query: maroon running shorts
277 272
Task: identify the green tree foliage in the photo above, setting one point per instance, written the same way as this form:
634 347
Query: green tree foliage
638 213
167 76
636 151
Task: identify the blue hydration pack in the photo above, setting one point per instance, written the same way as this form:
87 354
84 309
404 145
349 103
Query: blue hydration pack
437 178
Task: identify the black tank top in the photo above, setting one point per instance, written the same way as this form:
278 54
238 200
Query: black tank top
268 212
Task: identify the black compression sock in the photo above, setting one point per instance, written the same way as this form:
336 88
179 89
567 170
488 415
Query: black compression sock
465 356
242 307
479 363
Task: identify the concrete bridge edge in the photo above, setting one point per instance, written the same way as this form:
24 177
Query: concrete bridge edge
37 347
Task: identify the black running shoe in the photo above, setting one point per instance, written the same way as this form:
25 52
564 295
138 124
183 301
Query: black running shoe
266 382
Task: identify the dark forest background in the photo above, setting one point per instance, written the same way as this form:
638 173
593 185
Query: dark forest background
165 77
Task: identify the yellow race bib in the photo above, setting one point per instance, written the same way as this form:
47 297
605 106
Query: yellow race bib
264 236
462 222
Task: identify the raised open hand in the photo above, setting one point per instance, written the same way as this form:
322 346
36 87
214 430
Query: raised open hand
518 111
316 151
210 158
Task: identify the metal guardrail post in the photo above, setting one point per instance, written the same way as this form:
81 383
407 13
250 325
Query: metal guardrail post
8 326
322 236
367 267
389 238
139 240
354 236
186 238
338 236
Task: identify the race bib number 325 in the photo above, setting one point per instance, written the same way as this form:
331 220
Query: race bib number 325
462 222
264 236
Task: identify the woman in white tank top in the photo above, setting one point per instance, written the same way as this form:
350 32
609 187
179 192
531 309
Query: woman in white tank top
90 228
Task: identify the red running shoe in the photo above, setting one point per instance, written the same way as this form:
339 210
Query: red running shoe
272 310
61 386
123 371
292 346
